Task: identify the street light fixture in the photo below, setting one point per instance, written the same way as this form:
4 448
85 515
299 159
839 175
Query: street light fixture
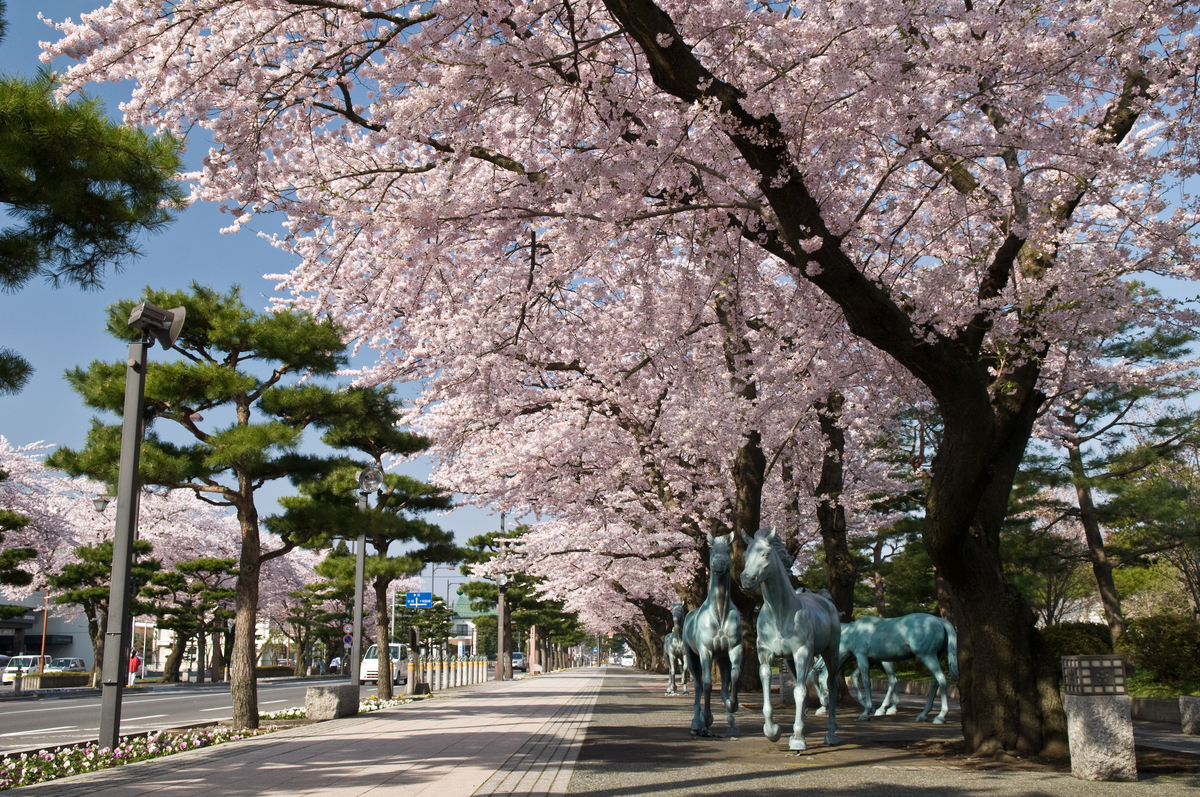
100 502
154 323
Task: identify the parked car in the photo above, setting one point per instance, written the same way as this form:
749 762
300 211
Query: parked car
25 664
66 665
627 660
369 671
519 662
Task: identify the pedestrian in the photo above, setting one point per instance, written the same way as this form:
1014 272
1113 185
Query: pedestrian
135 663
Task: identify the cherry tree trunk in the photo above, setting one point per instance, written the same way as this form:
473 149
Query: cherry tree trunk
749 473
831 515
1008 680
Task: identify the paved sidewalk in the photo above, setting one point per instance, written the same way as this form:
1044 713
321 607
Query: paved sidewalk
590 733
514 738
638 744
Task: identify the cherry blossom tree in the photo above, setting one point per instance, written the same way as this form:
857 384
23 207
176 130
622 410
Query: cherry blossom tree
968 183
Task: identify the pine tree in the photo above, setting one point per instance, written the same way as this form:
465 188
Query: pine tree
80 189
190 600
254 376
85 583
11 573
328 505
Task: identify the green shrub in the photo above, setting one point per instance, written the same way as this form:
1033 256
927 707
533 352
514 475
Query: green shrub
1077 639
1167 646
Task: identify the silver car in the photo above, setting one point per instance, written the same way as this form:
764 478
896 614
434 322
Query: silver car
67 665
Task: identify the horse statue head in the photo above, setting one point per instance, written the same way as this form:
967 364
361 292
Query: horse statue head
677 613
720 559
761 549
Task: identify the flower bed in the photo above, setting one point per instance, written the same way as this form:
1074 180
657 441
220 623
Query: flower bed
29 768
372 703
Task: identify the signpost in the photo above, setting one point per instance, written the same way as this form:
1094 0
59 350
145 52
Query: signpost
418 600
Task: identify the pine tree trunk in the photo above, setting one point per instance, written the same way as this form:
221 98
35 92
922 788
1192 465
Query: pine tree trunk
243 687
1101 566
174 659
201 654
218 658
383 639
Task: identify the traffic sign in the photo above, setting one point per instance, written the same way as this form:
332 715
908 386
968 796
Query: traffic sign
348 628
418 600
349 640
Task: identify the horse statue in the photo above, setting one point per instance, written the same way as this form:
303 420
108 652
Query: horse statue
793 625
879 640
714 631
674 650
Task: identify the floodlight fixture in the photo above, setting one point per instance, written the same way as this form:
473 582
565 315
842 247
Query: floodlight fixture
163 325
369 479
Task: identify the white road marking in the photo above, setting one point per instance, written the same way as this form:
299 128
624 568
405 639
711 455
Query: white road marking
149 717
39 731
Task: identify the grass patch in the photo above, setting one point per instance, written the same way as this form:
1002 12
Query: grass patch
1142 684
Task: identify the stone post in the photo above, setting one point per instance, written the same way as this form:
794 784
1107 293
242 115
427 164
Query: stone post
1189 715
1099 718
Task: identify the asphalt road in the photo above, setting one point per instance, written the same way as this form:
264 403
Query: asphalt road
70 717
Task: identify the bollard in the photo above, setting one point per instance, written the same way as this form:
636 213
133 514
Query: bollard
17 679
1099 718
410 685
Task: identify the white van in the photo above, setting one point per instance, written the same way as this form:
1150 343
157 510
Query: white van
26 664
369 670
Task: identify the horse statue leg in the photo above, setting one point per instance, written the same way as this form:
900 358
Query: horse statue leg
890 700
698 726
802 662
864 673
937 683
729 694
816 678
668 649
702 676
831 676
683 677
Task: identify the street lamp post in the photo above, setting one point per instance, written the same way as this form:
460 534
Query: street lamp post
154 323
369 479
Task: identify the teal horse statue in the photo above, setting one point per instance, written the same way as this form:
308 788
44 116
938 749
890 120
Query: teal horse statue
674 650
714 632
878 640
795 626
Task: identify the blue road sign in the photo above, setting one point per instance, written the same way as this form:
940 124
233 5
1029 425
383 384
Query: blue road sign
348 639
418 600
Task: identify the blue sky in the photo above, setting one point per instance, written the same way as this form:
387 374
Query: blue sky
56 329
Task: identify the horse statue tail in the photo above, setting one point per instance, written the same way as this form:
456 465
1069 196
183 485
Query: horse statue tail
951 648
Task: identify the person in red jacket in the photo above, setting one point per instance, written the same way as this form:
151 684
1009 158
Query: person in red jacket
135 662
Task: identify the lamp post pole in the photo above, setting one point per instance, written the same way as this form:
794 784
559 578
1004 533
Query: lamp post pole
154 323
359 566
116 643
369 479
